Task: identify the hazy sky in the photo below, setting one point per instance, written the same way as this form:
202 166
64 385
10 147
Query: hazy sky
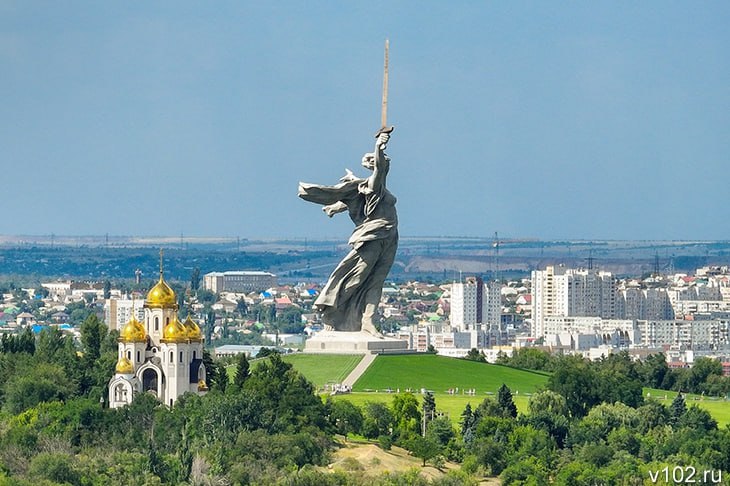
535 119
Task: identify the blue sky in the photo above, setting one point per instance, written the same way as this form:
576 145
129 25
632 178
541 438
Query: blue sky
587 120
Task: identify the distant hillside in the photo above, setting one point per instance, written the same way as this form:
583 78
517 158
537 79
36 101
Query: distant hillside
301 259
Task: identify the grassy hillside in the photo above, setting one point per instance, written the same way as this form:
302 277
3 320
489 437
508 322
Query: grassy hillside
324 368
439 374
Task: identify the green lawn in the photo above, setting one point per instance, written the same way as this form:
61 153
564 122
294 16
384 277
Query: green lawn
439 374
321 369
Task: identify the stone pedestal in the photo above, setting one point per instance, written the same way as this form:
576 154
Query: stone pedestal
340 342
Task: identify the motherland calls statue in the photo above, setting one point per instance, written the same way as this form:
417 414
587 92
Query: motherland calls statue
349 300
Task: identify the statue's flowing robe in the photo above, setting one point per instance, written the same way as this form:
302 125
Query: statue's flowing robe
351 296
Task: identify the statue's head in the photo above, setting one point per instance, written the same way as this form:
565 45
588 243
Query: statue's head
368 160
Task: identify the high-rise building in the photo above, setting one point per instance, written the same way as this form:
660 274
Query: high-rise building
117 312
561 292
475 304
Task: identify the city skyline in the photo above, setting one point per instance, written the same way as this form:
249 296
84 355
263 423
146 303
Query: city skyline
600 121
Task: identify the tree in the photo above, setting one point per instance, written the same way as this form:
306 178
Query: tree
602 420
290 320
216 375
488 408
697 418
93 333
652 414
425 448
378 420
221 378
619 380
530 359
475 355
527 471
288 401
242 371
575 380
266 352
195 279
429 409
677 409
701 370
206 296
107 289
653 370
468 424
36 383
209 314
345 417
242 307
505 401
548 411
185 456
405 414
440 430
78 312
22 343
55 467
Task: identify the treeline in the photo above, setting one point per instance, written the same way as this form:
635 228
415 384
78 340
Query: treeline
704 377
564 438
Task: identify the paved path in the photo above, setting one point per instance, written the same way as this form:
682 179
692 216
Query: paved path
357 372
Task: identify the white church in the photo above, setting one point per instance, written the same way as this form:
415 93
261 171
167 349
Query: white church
161 355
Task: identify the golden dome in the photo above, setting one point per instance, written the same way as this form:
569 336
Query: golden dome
133 332
202 386
124 366
193 330
161 296
174 332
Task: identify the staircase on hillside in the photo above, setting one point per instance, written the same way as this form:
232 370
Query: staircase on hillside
357 372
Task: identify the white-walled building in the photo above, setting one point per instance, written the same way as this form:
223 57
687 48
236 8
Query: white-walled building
58 291
475 304
705 334
118 312
239 281
638 303
561 292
